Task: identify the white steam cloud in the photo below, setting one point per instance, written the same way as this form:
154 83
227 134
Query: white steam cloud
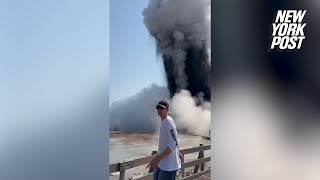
137 114
189 116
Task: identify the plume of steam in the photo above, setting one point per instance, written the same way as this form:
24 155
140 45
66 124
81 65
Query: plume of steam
195 119
182 32
137 114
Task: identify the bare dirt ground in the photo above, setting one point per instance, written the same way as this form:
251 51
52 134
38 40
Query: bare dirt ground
129 137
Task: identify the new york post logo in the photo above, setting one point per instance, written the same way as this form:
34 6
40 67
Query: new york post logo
288 30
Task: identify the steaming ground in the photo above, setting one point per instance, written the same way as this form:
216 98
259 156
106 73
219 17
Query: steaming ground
137 114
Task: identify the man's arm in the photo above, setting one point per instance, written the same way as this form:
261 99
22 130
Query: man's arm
154 162
164 154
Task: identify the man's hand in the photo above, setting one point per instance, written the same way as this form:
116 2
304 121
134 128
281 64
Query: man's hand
153 163
181 157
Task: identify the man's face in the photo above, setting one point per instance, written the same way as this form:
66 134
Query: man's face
162 111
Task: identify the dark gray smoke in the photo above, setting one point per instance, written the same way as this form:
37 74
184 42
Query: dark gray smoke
197 71
182 32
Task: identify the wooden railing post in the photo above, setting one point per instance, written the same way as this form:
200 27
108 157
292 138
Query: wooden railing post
123 166
122 174
201 155
202 165
153 153
183 173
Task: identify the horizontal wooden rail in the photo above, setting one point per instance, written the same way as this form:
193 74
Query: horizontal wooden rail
144 160
123 166
136 162
195 162
184 165
195 149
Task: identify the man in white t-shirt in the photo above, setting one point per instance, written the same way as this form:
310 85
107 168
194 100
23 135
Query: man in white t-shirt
167 162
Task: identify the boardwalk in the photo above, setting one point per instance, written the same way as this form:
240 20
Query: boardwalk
199 170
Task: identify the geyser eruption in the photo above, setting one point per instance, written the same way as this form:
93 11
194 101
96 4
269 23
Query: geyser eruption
197 72
181 29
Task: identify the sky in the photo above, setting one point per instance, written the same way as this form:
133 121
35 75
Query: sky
133 61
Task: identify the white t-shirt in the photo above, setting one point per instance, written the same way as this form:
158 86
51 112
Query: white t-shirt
169 138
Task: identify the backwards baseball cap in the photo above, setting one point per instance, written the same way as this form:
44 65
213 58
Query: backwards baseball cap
162 104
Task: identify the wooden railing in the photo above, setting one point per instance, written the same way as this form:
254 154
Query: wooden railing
123 166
